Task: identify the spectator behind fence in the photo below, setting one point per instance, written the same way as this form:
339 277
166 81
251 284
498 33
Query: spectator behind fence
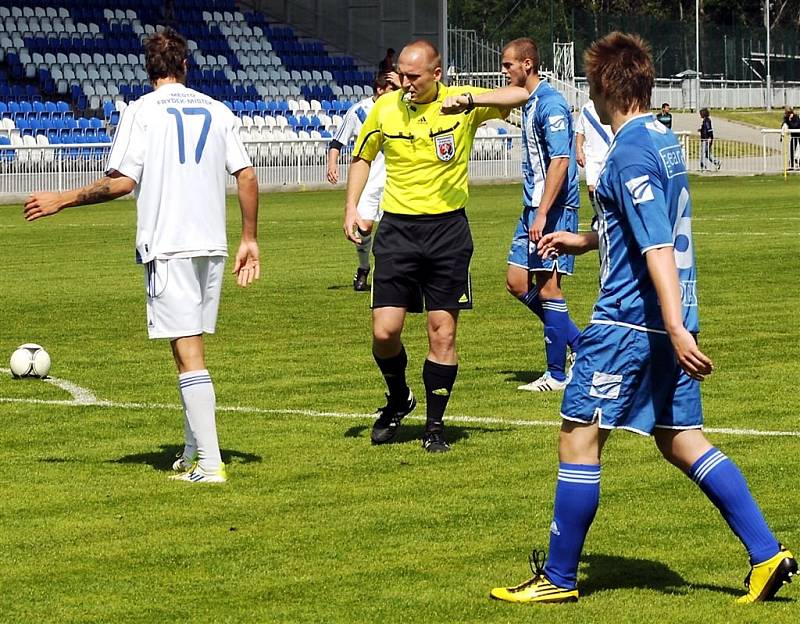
707 142
791 122
665 117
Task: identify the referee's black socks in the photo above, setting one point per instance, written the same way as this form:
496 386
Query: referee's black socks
394 372
438 380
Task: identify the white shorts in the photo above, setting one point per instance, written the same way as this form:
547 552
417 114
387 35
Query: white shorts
183 295
369 205
592 169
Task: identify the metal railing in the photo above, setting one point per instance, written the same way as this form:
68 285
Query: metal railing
468 52
301 163
288 164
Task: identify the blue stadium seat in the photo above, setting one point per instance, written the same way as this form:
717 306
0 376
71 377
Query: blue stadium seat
6 155
37 126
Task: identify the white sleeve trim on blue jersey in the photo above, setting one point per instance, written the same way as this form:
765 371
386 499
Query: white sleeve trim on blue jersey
658 246
629 326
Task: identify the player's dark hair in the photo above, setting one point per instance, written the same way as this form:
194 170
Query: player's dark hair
620 68
381 82
525 48
165 54
431 49
704 112
665 104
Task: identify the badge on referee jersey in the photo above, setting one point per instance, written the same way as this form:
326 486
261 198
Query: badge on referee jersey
445 147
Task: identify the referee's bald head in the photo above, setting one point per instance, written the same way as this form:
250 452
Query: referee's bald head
424 48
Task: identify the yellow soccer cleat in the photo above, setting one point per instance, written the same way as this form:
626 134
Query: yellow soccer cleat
198 475
537 589
765 579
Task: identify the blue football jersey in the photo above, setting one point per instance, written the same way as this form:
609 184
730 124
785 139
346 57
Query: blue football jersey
643 203
547 132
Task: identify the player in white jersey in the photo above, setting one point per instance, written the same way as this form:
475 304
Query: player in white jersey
369 206
592 139
174 148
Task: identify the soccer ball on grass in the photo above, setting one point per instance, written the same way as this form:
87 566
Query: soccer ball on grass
30 360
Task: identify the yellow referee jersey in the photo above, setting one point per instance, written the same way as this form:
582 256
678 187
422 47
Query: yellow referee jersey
426 152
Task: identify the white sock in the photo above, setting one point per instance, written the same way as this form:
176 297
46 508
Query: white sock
363 249
197 393
189 443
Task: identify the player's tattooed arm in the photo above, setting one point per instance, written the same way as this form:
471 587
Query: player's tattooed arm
96 192
43 204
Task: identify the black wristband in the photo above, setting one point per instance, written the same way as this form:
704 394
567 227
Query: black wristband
471 103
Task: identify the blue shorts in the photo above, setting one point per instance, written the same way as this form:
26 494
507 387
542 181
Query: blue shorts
627 378
523 251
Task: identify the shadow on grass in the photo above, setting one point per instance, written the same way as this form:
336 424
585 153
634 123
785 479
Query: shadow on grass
521 376
346 287
412 432
163 458
609 572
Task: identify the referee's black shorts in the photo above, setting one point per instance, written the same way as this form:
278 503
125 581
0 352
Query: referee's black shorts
423 261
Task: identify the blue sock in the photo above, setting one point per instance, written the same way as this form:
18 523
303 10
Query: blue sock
723 483
533 303
559 331
577 497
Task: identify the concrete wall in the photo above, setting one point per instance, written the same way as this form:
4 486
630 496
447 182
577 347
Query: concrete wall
363 28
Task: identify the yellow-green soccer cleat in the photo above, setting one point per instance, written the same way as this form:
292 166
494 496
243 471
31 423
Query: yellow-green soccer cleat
537 589
198 475
765 579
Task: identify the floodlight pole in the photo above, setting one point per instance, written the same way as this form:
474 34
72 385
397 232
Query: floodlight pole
697 52
769 77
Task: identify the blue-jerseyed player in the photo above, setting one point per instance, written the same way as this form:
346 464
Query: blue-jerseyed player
550 201
639 366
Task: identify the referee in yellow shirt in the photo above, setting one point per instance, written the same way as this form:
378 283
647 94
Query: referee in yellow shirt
423 247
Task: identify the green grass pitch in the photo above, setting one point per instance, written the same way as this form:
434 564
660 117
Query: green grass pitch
315 525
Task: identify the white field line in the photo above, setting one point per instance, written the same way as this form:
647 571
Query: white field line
81 397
